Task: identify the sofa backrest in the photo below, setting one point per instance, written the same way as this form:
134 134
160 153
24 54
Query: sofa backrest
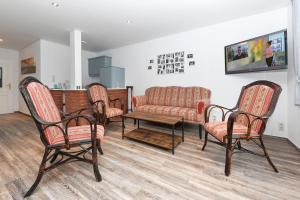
176 96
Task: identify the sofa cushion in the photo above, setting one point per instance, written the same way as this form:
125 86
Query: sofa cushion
176 96
189 114
219 130
79 133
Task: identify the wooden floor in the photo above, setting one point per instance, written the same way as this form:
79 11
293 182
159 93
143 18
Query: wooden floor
131 170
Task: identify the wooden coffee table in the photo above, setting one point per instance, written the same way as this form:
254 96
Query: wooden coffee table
152 137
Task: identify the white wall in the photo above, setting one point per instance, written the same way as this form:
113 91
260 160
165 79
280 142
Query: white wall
55 62
207 45
10 58
293 111
33 50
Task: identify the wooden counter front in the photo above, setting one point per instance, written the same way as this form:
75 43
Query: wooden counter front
72 100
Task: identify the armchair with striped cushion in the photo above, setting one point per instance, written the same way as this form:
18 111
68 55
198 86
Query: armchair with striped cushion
58 137
246 121
98 97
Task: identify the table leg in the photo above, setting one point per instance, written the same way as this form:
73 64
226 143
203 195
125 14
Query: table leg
182 130
122 127
173 138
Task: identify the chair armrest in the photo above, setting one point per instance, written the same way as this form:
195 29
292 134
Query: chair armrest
224 110
202 104
139 100
91 120
99 114
251 118
117 100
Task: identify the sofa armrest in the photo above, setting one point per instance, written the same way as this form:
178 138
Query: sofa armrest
202 104
139 100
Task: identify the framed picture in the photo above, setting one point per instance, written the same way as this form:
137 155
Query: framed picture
28 66
190 55
263 53
191 63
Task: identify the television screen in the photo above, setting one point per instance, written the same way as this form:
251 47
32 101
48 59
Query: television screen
267 52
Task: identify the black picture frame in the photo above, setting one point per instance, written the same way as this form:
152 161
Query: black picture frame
249 70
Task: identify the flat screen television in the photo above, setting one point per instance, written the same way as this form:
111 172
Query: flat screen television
264 53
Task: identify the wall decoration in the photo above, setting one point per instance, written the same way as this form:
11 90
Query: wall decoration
263 53
1 81
170 63
191 63
190 55
149 67
151 61
28 66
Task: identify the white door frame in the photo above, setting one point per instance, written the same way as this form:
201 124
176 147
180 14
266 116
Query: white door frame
6 92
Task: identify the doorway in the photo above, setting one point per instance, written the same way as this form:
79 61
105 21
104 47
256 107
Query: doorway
6 101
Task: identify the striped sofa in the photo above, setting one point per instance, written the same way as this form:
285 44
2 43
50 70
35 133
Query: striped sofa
188 102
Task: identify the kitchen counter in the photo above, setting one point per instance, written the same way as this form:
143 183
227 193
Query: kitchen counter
71 100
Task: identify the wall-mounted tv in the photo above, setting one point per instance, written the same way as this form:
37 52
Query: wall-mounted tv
267 52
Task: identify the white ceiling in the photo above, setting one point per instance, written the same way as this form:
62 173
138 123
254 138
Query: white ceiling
103 22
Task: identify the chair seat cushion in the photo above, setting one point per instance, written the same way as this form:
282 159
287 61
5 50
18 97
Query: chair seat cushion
189 114
219 130
113 112
79 133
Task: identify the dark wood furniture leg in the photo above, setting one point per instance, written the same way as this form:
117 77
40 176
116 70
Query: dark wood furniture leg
40 173
267 155
228 155
182 130
99 147
122 127
205 140
95 161
173 139
54 156
200 131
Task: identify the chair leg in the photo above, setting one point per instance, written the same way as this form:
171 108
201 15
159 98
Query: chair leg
200 131
205 140
54 156
40 174
95 162
239 144
267 155
228 158
99 148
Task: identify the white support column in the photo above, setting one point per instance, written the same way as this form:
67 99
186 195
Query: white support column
76 71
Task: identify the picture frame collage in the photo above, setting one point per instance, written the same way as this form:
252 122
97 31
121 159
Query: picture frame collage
171 63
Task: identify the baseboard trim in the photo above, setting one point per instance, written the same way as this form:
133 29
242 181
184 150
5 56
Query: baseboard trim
293 144
19 112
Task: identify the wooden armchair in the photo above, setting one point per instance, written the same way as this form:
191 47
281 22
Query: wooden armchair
246 121
57 136
98 97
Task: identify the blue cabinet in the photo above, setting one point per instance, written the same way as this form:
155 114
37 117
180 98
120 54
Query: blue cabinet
112 77
96 63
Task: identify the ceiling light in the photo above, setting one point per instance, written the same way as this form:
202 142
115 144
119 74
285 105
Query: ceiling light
1 40
128 22
55 4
